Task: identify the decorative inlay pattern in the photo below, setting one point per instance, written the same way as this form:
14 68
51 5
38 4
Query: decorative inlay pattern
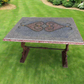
51 26
47 26
37 26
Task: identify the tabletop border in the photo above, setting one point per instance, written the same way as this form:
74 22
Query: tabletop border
46 41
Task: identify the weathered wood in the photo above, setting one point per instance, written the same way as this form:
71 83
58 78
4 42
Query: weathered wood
24 53
27 48
64 57
45 48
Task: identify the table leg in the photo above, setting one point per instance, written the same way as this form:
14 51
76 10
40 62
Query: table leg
24 53
64 56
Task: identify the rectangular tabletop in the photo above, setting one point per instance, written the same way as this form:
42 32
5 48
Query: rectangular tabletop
45 30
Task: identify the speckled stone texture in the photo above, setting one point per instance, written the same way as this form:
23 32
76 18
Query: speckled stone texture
45 29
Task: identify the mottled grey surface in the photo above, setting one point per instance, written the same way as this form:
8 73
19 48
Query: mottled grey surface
63 34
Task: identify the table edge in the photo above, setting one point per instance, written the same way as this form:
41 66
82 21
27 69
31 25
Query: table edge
46 41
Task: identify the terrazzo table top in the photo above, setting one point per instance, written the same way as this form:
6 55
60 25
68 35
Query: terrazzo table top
45 30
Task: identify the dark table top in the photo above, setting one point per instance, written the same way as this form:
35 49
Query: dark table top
45 30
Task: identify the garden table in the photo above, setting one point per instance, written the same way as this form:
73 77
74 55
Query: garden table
45 30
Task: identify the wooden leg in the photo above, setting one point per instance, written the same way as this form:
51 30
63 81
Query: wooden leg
24 53
64 57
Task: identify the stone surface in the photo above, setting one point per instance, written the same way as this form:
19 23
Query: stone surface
45 29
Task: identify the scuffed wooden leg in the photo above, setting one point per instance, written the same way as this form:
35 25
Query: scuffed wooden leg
64 57
24 53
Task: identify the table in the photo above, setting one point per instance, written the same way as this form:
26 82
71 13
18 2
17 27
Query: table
45 30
